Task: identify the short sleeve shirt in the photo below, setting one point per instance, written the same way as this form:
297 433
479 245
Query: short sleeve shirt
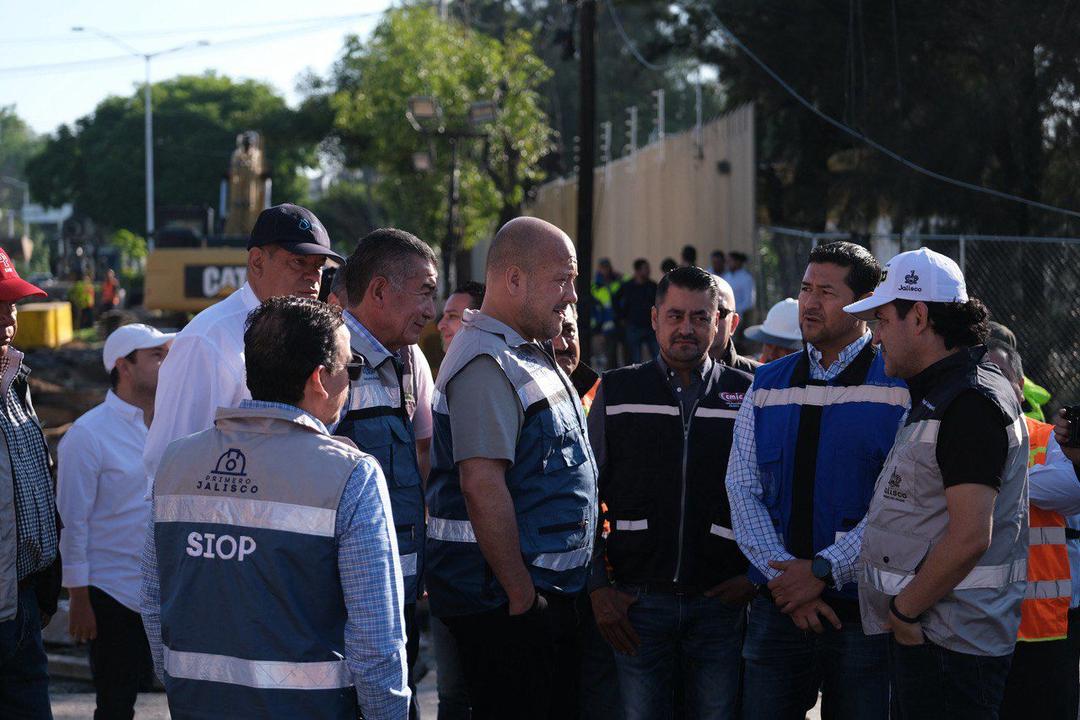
482 394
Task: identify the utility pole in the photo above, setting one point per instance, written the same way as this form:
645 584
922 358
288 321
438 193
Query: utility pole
587 131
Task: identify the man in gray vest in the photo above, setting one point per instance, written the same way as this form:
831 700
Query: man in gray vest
944 553
512 492
271 586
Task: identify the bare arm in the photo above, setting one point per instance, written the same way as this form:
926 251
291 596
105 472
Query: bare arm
491 511
971 508
423 458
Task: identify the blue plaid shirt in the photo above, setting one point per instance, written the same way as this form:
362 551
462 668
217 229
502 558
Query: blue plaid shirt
750 519
375 629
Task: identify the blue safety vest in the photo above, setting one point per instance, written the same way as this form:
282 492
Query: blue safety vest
252 610
552 481
379 421
861 410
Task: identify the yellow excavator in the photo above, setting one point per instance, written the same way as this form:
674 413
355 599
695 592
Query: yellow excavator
193 265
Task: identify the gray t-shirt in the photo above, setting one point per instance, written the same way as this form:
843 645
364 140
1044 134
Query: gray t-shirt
485 413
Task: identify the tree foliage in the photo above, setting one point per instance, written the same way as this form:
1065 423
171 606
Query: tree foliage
98 162
413 52
17 144
986 92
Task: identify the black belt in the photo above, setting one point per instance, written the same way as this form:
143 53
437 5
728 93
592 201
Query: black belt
1072 534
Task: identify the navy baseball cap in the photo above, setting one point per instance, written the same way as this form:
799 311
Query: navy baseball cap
294 228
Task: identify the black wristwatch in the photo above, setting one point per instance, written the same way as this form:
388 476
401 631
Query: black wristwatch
822 570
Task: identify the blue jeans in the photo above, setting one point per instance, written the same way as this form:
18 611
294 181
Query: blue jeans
600 699
701 636
450 680
930 682
24 669
786 667
635 337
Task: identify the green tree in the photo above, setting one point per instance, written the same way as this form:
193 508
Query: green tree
413 52
98 162
17 144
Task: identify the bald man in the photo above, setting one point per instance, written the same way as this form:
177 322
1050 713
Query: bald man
723 347
512 491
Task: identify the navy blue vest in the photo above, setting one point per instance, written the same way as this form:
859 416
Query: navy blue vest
552 480
378 421
860 412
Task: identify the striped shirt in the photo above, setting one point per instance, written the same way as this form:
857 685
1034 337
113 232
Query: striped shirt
375 629
750 518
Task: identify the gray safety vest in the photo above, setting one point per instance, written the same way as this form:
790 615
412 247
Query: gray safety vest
252 610
908 515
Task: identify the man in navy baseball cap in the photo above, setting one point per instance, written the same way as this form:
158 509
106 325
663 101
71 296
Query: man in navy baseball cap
293 228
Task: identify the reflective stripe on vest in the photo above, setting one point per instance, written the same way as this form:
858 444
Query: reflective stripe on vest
722 531
243 512
1045 609
462 531
408 564
831 395
981 576
261 674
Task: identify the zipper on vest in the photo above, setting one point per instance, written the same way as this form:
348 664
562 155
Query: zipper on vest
682 499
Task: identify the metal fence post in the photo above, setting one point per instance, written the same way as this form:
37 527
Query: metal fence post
963 254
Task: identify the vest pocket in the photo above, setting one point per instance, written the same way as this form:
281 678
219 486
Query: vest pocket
891 559
631 531
770 460
561 450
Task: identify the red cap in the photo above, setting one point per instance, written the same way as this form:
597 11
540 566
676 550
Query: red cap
13 287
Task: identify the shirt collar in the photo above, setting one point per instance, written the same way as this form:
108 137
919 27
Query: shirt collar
920 384
702 370
480 321
123 407
250 404
10 364
842 360
248 297
363 342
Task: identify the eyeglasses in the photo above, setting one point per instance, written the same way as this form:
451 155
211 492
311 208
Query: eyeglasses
723 312
354 368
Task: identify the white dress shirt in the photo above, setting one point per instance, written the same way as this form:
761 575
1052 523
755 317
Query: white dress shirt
203 371
101 497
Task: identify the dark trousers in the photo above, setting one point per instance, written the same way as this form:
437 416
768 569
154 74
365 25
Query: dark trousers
786 667
1073 686
453 693
24 673
931 682
1038 680
119 657
524 667
412 651
600 698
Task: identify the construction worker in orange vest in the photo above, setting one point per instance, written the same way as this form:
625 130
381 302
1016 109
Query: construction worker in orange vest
1040 672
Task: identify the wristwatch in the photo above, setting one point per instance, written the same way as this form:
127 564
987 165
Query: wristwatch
822 570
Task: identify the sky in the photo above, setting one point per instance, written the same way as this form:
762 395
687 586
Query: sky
271 40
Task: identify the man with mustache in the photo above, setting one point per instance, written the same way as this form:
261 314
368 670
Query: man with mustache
674 601
390 288
810 439
512 493
287 249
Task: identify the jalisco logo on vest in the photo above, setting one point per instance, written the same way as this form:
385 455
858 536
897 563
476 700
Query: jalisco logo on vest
892 488
229 475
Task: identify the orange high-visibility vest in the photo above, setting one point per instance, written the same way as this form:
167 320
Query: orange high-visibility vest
1045 610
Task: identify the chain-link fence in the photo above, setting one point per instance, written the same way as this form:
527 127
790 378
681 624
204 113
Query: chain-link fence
1030 284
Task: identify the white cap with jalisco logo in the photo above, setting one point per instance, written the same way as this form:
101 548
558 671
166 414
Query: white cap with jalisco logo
918 275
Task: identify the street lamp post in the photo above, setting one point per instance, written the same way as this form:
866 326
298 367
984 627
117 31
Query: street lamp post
425 115
148 125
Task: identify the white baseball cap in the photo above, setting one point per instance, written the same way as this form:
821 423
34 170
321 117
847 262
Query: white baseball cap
918 275
129 338
781 326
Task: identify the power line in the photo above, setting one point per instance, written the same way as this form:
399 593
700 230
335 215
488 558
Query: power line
874 144
630 43
170 32
47 68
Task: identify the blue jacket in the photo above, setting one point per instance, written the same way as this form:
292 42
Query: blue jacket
552 481
860 412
